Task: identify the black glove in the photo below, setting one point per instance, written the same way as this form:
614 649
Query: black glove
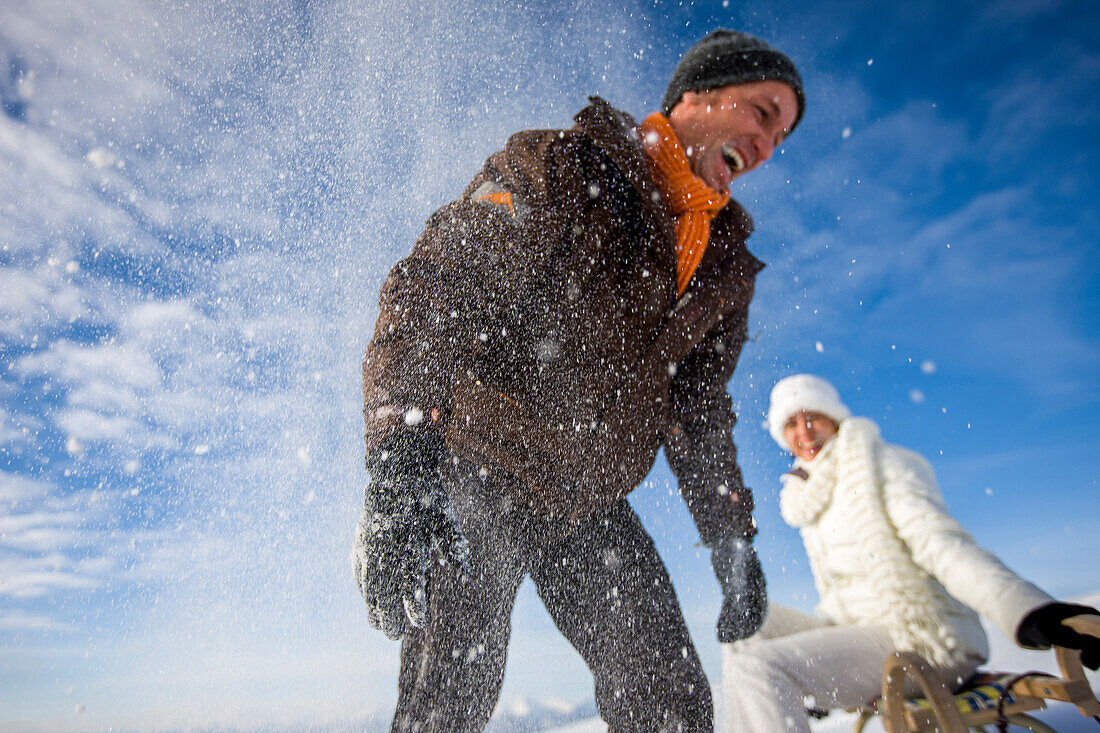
1043 628
406 514
742 581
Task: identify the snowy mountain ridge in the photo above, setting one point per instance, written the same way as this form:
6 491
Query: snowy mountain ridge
520 715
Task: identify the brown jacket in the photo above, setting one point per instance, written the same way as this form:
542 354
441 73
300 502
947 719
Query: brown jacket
535 328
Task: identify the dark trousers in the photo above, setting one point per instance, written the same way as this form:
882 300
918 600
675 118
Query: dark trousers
606 589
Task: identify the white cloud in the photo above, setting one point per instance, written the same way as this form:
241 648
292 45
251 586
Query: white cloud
10 525
32 583
16 621
36 300
17 490
9 434
86 425
104 387
74 366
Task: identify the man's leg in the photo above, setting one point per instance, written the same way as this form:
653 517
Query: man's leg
610 595
451 671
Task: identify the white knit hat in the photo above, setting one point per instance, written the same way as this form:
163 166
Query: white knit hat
802 392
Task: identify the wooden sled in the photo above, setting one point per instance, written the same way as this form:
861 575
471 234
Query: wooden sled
1000 699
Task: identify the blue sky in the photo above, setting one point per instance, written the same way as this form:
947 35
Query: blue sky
200 202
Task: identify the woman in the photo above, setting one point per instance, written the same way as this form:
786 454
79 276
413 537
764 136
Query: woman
893 569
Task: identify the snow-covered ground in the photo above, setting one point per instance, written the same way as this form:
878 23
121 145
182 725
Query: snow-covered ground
1004 655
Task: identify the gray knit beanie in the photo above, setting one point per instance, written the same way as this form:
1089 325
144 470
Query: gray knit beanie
731 57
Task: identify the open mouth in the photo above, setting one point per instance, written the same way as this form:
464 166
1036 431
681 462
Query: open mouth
733 158
810 449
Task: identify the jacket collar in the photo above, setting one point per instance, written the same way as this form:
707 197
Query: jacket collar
615 132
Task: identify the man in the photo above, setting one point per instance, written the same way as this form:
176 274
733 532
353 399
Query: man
580 306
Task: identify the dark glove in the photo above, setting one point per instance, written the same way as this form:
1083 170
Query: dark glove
1043 628
742 581
406 515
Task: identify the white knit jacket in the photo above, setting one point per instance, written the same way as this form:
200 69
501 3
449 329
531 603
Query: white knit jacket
884 550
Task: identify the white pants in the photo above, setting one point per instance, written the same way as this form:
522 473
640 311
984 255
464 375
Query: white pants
797 661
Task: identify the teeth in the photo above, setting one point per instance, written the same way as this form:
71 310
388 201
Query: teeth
733 157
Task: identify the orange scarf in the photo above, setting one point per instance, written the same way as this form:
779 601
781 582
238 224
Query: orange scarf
690 200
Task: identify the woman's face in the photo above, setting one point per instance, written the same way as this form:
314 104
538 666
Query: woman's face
806 432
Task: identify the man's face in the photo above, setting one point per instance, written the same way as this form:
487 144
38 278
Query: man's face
806 432
733 129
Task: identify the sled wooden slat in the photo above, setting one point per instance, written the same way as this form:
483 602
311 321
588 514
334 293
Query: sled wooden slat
939 710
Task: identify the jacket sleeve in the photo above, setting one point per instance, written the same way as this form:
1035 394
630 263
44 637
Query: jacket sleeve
440 304
699 437
942 547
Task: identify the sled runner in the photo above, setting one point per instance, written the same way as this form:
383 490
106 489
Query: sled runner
991 698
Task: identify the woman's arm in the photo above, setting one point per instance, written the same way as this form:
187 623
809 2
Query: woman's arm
941 546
